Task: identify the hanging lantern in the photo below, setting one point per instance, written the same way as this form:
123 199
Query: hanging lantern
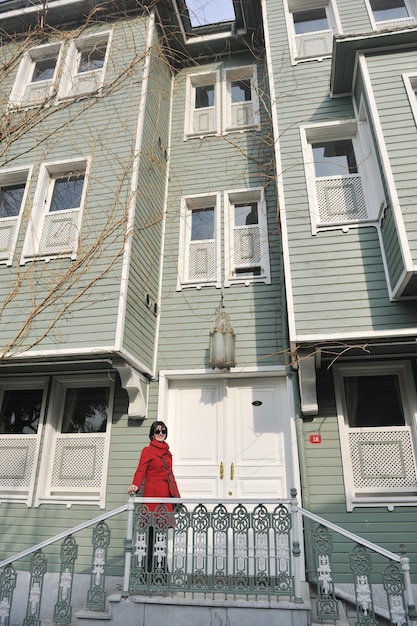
222 342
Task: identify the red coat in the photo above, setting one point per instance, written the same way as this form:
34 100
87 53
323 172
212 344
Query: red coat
152 472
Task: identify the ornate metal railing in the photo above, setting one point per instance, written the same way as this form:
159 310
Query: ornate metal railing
218 548
38 568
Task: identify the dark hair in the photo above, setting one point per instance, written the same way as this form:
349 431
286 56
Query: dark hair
154 426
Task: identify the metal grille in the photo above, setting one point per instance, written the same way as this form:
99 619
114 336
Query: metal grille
247 246
341 199
201 260
78 462
314 44
17 457
382 459
60 232
400 23
7 233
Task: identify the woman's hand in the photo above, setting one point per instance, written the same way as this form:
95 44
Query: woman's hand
132 489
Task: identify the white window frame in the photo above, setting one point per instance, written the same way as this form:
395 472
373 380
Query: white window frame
188 205
260 232
75 84
9 226
51 225
249 109
20 488
371 496
398 23
26 93
94 495
324 38
368 172
200 80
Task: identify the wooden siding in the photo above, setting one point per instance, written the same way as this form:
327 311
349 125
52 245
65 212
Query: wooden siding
399 129
323 487
73 295
338 280
235 161
139 336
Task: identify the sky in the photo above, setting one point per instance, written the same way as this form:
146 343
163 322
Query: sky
210 11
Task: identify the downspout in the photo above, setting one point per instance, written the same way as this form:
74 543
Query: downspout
121 316
287 293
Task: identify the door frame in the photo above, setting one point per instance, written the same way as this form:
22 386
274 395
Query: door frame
165 376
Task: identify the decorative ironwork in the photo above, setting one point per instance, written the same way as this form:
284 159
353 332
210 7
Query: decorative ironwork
38 567
8 579
96 597
62 610
394 586
360 565
326 606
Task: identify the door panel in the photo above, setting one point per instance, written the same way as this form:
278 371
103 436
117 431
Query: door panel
230 438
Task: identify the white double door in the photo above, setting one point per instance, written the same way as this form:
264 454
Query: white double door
231 438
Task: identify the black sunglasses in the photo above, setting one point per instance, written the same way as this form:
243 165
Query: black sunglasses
160 431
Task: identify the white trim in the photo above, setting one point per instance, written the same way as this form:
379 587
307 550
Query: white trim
74 84
124 278
230 198
403 370
388 174
390 24
73 495
12 176
25 496
238 372
188 204
43 90
202 79
332 14
411 92
40 209
244 72
360 339
279 183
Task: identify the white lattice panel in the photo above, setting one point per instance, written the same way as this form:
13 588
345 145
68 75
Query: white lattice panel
341 199
17 456
243 114
401 23
204 120
60 232
201 260
78 462
7 233
86 82
247 243
382 459
314 44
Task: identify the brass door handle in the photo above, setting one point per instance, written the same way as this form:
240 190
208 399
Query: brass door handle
232 471
221 470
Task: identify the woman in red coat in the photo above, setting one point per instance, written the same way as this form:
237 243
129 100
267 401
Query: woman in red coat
154 472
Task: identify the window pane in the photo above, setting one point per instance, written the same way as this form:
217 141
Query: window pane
241 91
92 59
20 411
373 401
44 70
202 224
246 214
310 21
67 193
389 10
334 158
204 96
86 410
11 197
